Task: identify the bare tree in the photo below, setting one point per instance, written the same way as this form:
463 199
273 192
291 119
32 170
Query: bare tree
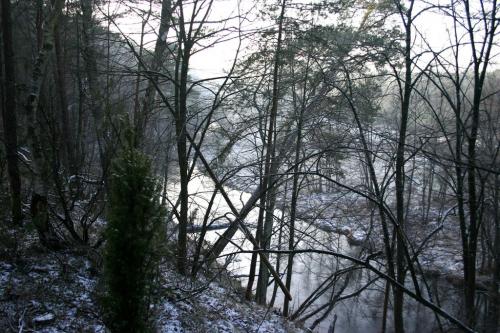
463 92
39 198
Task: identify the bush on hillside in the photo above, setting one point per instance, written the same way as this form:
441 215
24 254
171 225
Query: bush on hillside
133 232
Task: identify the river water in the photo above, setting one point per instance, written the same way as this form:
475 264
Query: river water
359 314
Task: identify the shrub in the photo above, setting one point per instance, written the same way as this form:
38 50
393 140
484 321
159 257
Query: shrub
133 231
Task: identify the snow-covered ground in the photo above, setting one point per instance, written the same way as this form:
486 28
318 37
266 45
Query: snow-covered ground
58 292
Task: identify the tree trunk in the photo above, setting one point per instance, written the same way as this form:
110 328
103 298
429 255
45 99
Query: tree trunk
155 67
89 57
39 201
9 113
400 175
494 305
258 238
480 61
280 242
265 242
60 78
270 167
294 200
182 67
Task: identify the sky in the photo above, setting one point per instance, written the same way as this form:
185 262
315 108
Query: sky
434 31
212 61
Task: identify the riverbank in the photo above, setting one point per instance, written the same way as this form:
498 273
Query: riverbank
51 292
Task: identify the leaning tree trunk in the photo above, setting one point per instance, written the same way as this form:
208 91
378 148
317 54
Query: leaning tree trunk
155 68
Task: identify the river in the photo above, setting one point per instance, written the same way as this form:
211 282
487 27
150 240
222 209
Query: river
361 314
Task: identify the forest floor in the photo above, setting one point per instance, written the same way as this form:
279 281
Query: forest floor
48 291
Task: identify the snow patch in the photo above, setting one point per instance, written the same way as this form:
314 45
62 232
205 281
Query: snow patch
45 318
